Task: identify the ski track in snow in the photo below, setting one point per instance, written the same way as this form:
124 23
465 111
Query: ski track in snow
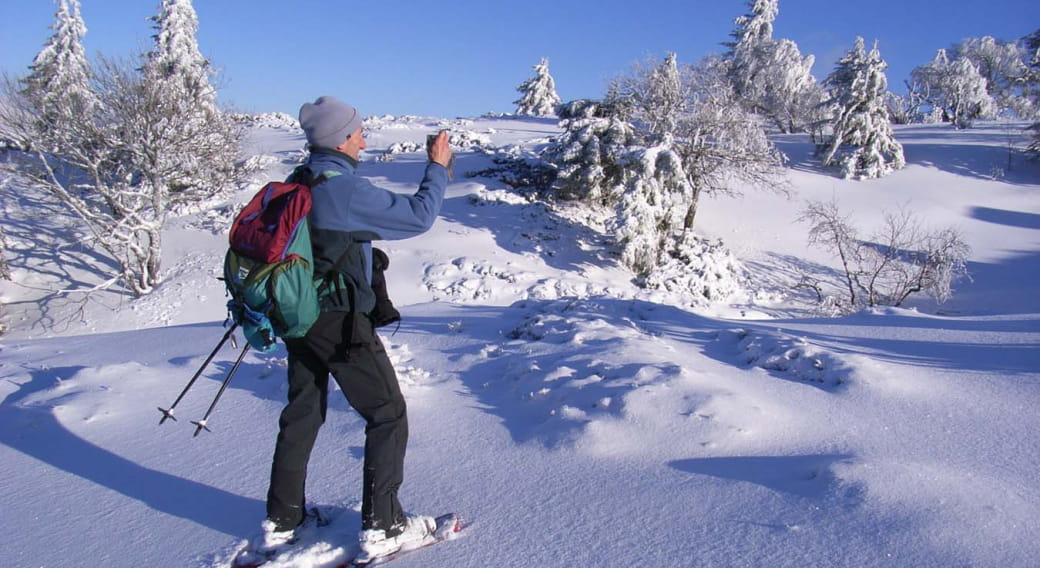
572 418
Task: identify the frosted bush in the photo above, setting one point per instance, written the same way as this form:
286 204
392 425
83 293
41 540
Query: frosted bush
699 270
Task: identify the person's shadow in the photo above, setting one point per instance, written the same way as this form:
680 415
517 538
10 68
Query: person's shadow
35 432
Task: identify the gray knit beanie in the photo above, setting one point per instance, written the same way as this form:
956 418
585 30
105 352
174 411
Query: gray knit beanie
328 122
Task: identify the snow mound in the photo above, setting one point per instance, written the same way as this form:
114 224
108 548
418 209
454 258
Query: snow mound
789 357
272 120
566 364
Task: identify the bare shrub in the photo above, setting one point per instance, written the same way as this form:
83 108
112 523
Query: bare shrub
898 260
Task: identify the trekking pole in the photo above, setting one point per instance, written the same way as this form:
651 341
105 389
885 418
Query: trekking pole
200 425
168 412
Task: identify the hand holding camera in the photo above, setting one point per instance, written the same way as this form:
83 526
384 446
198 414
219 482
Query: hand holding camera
438 150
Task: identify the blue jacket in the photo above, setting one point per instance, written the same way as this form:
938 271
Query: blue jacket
349 212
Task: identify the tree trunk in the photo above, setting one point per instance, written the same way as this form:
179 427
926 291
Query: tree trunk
5 271
154 260
691 212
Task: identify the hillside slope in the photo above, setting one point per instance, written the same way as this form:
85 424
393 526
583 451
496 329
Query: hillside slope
572 418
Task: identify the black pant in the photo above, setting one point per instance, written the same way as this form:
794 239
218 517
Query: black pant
349 349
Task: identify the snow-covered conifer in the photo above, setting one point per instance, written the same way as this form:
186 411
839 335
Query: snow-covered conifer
753 32
770 75
177 78
176 60
862 142
589 156
666 101
756 27
538 94
59 77
656 187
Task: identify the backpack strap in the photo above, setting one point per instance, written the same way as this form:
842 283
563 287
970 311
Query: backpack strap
303 174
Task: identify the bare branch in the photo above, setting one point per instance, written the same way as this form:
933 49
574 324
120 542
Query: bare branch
900 260
124 161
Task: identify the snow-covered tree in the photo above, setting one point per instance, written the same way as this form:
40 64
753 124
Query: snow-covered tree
861 142
673 134
756 27
59 75
590 157
654 96
770 75
679 133
1032 90
176 60
955 87
122 169
789 94
656 187
724 147
900 108
1032 46
176 63
719 141
538 94
1004 66
1034 145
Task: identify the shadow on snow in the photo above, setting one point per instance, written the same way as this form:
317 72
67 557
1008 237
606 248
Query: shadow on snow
804 476
53 444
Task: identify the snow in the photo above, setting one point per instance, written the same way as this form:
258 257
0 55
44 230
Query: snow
572 418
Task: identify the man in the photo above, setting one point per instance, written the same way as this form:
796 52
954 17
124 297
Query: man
348 213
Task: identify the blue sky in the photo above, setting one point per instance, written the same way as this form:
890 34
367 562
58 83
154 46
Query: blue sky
466 57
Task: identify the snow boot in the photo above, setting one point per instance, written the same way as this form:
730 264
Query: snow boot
272 539
414 532
264 546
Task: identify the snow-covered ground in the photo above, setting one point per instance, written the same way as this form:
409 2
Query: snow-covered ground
572 418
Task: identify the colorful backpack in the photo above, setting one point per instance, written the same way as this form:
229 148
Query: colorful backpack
269 266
